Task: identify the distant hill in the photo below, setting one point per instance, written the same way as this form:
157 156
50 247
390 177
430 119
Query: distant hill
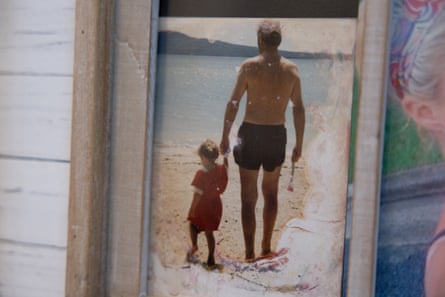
171 42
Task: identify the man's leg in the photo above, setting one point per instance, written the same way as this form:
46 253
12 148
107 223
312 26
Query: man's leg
270 193
249 197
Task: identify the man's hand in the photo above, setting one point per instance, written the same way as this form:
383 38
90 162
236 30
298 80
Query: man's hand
296 154
225 146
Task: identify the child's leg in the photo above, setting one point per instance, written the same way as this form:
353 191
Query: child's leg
211 245
194 235
194 238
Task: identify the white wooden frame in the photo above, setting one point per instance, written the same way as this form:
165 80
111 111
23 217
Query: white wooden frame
111 147
372 36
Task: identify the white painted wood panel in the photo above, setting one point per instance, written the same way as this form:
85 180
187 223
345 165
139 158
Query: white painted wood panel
35 116
28 270
36 66
36 37
33 201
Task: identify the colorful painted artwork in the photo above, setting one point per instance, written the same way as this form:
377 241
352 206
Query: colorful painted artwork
408 256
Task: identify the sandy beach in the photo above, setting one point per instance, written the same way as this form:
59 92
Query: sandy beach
310 226
308 237
174 169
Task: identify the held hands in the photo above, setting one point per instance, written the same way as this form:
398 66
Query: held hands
224 147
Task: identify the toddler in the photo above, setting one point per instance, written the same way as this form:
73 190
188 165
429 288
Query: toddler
206 209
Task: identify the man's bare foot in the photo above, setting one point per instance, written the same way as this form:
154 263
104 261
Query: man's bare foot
250 257
269 255
265 253
273 261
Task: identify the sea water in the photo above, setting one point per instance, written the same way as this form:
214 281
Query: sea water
192 93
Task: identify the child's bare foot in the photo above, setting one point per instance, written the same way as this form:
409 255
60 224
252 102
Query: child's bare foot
191 254
211 261
215 266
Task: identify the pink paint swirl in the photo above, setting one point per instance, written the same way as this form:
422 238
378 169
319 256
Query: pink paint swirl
410 28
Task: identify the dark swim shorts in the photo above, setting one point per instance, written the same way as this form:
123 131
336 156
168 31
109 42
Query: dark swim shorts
260 145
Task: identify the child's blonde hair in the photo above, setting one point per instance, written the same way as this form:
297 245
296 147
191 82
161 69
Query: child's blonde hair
209 150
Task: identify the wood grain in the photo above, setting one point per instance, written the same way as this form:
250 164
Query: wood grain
373 26
36 52
35 117
128 142
36 58
90 130
33 208
109 143
31 270
33 212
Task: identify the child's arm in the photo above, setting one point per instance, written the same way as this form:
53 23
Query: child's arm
223 177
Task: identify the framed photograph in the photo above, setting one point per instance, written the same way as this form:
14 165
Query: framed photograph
153 81
410 245
196 72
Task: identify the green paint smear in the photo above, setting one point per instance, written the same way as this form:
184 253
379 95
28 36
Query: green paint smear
405 146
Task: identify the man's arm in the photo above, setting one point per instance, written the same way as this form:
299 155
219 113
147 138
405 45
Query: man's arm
299 117
232 108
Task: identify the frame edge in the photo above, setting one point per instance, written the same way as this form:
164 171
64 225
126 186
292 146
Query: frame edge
87 214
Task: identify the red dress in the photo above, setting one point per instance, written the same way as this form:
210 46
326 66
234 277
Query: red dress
208 211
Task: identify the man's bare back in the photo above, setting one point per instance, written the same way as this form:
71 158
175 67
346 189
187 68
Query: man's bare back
270 85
